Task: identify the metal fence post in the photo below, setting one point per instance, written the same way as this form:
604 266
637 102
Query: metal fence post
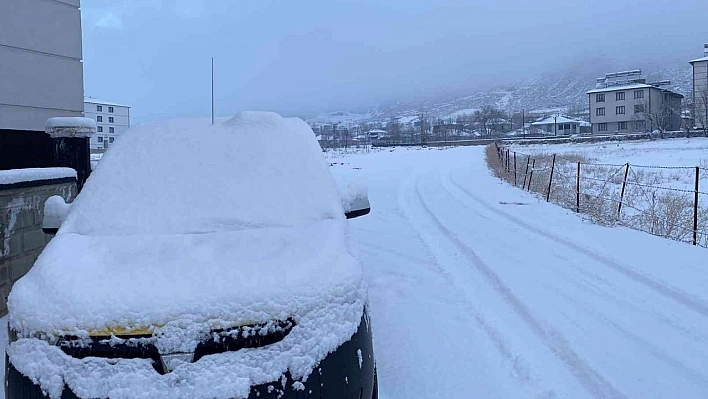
533 165
695 208
624 186
526 174
514 168
550 181
577 192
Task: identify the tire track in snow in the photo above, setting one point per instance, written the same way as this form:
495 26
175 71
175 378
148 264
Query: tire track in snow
590 379
519 366
675 294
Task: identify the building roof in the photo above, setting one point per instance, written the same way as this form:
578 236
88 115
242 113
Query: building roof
698 60
630 87
623 87
553 120
92 100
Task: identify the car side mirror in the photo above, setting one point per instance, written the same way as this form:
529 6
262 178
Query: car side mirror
355 197
55 211
357 206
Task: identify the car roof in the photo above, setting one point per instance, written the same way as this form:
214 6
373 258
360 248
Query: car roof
254 170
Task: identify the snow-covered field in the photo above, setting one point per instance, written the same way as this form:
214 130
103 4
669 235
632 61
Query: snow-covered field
670 152
478 289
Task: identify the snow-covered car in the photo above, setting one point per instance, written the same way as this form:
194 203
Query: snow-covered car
199 261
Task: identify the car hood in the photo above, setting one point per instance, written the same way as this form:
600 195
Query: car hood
82 283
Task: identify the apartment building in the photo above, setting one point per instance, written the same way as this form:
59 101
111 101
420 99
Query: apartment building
624 103
700 90
41 75
111 121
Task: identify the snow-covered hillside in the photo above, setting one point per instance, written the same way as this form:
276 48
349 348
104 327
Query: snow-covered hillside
563 89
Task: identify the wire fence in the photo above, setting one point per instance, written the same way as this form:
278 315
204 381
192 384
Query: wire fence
665 201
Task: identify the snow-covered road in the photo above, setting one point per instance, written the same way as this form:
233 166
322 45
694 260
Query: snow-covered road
481 290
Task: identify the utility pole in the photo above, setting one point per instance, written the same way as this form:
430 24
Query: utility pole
212 90
523 122
422 128
555 125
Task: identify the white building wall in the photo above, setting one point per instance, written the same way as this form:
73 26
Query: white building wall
700 91
100 112
40 62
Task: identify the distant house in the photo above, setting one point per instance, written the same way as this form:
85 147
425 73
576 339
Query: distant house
561 125
499 125
376 134
623 102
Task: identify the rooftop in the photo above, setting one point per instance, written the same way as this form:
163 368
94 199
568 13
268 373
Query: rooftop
630 87
92 100
698 60
552 120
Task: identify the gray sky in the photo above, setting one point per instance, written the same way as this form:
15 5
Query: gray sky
302 57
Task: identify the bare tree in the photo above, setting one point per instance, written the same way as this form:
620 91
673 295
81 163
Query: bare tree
394 129
485 116
660 117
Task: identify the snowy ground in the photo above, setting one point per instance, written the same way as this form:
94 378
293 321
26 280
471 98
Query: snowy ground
480 290
670 152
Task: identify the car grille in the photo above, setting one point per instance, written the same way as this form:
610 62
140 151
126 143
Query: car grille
143 347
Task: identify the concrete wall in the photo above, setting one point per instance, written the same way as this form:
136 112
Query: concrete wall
21 236
41 69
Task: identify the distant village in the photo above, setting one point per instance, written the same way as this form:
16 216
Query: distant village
621 103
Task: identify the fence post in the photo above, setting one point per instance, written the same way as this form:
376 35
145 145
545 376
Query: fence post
514 168
550 181
624 186
533 165
695 208
577 192
526 174
507 163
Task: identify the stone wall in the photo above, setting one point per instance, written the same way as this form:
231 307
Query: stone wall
21 236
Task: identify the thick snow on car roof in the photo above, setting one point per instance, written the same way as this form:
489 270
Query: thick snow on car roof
253 170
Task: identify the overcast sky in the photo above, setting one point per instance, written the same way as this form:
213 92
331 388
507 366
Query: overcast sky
303 57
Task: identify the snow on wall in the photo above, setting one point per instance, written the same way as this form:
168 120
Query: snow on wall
70 127
14 176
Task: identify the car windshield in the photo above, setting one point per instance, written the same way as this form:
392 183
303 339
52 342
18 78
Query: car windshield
251 171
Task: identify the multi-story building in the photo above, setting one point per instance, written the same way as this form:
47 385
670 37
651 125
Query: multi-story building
624 103
700 90
111 121
41 75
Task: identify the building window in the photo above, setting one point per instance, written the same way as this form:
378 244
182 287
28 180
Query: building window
640 125
600 112
110 119
111 140
100 139
622 126
99 118
638 94
111 130
620 110
602 127
110 109
620 96
600 98
99 108
639 109
100 129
